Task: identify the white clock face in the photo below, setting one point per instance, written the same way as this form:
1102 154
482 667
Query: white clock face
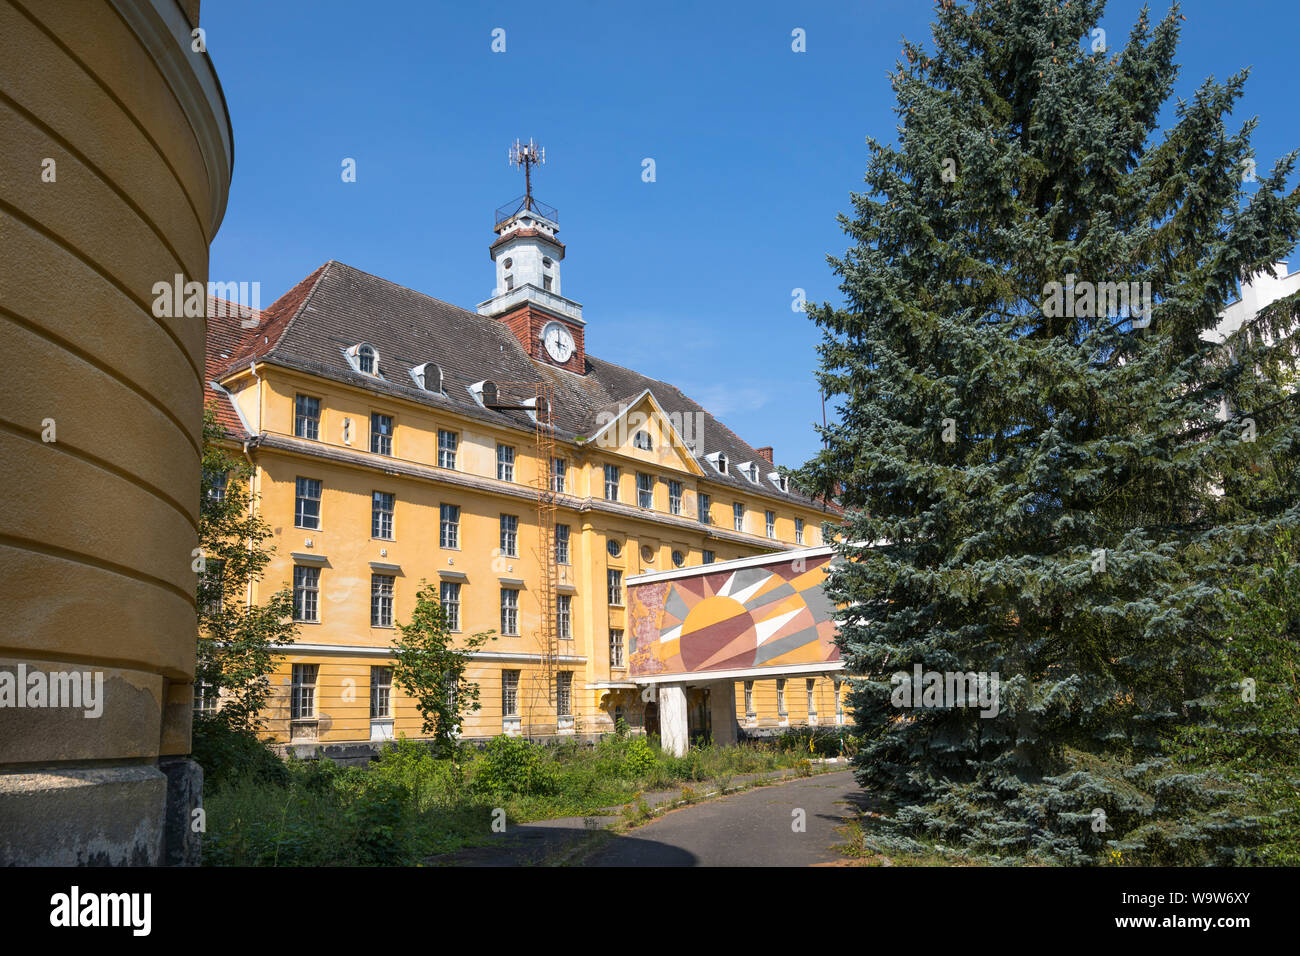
558 342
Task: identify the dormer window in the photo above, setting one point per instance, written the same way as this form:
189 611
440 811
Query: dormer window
428 376
750 471
719 462
643 441
364 358
780 480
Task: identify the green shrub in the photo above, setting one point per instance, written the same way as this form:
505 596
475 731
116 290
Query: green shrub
513 765
228 755
638 757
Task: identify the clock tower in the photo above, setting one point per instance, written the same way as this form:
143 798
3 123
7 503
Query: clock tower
527 256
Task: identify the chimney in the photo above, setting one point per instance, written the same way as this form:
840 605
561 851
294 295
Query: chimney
765 453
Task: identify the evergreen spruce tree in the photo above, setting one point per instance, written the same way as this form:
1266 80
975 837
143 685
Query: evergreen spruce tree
1061 489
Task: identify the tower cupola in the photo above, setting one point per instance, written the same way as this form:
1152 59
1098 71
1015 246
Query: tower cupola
527 255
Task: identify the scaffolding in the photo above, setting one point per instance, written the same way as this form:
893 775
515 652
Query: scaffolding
544 699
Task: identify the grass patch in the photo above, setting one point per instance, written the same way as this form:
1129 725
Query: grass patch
409 805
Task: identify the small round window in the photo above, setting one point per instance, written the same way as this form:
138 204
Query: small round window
614 548
678 559
647 554
508 262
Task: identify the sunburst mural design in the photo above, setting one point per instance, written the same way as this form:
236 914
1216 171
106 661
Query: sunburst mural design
765 616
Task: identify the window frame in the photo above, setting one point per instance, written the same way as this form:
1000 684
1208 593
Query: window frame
563 556
645 490
381 434
617 648
450 604
381 601
614 472
378 513
299 513
303 691
300 419
703 507
505 468
448 526
738 515
511 607
448 448
309 591
381 692
614 587
509 536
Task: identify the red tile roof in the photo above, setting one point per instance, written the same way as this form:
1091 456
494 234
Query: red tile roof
227 337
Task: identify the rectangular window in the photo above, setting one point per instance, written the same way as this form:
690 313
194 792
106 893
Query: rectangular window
306 510
510 693
381 692
505 462
749 699
303 692
447 444
559 468
705 503
213 573
812 697
449 526
611 482
616 648
738 515
306 417
645 490
798 530
780 696
564 616
509 611
449 597
306 591
769 521
206 697
381 515
561 544
510 536
674 497
564 694
217 484
381 434
615 580
381 600
709 557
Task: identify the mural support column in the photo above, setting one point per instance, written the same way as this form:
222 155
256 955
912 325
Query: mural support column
722 712
672 719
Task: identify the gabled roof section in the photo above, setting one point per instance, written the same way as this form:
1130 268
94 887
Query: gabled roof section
617 416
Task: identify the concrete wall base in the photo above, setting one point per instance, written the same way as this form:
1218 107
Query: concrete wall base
83 816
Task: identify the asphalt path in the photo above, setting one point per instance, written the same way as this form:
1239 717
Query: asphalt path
788 824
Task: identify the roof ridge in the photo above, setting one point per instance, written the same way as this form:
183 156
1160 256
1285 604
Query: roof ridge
486 319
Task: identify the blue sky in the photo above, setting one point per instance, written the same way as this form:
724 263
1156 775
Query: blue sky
688 278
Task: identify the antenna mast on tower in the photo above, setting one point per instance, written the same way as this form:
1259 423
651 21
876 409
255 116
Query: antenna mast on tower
527 155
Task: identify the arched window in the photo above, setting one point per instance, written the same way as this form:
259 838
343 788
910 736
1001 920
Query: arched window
366 360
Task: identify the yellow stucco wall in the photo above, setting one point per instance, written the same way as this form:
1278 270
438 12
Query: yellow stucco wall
109 183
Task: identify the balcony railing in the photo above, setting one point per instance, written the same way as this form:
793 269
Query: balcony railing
521 203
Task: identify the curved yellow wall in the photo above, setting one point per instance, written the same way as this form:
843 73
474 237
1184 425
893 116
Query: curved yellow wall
114 173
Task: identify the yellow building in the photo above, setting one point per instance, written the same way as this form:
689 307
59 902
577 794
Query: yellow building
397 439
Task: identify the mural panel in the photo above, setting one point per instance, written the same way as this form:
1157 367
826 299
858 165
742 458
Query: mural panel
766 616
